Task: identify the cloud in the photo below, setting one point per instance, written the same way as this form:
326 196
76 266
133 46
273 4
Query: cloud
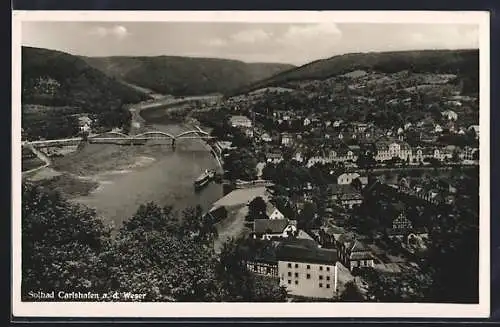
446 36
244 37
251 36
307 42
117 31
314 30
216 42
311 32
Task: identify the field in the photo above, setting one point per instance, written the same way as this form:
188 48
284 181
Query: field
97 158
69 185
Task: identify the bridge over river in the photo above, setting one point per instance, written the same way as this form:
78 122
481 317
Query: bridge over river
114 137
121 138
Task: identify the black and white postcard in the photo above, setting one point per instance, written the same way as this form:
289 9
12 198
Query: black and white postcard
251 164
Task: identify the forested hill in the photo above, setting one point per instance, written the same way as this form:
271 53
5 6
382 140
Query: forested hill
73 81
182 76
465 63
54 80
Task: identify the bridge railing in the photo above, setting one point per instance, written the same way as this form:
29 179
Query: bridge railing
118 136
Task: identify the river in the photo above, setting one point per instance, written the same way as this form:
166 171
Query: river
159 174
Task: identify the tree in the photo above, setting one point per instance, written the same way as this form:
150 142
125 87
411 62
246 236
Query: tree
67 248
269 172
366 160
152 256
242 285
240 164
306 216
351 293
62 245
409 285
453 255
257 209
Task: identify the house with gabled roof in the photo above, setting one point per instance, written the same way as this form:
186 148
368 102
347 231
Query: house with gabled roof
269 228
350 200
353 253
272 212
475 129
274 157
449 114
347 178
402 223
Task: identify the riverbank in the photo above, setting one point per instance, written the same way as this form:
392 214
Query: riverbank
116 179
129 176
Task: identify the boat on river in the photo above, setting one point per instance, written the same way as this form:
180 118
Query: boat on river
204 179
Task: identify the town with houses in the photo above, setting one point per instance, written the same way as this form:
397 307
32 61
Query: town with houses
346 194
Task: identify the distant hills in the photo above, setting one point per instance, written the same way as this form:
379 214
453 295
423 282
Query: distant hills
465 63
183 76
56 86
56 78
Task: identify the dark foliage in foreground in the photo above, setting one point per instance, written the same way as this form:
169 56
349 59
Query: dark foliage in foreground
66 247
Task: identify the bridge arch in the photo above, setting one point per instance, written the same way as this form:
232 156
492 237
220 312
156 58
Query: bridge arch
192 132
154 133
110 133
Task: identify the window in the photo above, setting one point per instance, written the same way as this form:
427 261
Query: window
289 281
327 277
320 277
308 276
308 266
289 265
327 285
289 274
327 268
320 285
296 275
320 267
296 282
296 265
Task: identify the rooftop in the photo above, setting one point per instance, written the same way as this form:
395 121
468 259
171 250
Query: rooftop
273 226
297 252
269 208
240 118
341 189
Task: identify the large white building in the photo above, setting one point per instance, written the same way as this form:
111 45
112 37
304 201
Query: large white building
387 151
307 270
240 121
302 267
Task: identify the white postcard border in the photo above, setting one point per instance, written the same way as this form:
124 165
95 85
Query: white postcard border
268 310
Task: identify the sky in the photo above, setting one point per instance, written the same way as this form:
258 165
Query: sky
295 44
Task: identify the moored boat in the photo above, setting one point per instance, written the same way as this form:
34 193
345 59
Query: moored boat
204 179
